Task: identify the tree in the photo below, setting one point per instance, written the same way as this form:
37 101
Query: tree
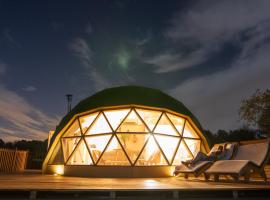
241 134
256 111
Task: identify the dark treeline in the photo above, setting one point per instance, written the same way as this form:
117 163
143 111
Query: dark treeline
231 136
38 149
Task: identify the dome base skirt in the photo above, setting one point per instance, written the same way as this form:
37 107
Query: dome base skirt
114 171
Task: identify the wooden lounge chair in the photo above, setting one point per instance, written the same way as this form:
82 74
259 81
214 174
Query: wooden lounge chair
201 166
195 170
250 158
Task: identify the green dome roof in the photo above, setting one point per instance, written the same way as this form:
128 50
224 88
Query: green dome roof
126 95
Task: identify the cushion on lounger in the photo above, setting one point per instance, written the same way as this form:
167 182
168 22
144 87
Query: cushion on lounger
229 151
214 149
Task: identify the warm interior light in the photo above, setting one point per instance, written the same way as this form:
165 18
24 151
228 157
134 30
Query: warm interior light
129 136
59 169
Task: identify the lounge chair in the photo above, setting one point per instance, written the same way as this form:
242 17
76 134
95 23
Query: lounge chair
249 159
201 166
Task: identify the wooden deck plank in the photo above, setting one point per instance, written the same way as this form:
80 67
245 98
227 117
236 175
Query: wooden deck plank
40 182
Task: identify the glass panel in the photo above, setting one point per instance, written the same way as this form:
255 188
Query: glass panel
73 130
168 145
80 156
182 154
97 144
114 155
132 144
189 131
57 156
151 155
149 117
115 117
178 122
132 124
68 145
87 120
164 126
100 125
193 145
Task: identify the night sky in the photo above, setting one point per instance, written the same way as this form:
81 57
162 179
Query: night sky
208 54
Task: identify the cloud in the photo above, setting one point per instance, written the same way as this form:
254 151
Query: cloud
204 28
20 119
217 21
30 88
83 52
216 98
169 62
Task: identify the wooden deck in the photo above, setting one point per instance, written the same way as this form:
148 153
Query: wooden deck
50 182
33 183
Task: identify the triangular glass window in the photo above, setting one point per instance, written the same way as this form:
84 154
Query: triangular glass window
97 144
189 131
150 117
151 155
73 130
132 144
80 156
178 122
87 120
68 145
115 117
182 154
132 124
164 126
114 154
168 144
57 156
100 125
193 145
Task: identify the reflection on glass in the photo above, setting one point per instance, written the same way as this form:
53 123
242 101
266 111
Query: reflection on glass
100 125
193 145
182 154
114 155
168 145
73 130
164 126
132 124
151 155
132 144
149 117
97 144
178 122
68 145
87 120
80 155
115 117
189 131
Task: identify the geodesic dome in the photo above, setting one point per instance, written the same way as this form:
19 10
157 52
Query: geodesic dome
127 126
